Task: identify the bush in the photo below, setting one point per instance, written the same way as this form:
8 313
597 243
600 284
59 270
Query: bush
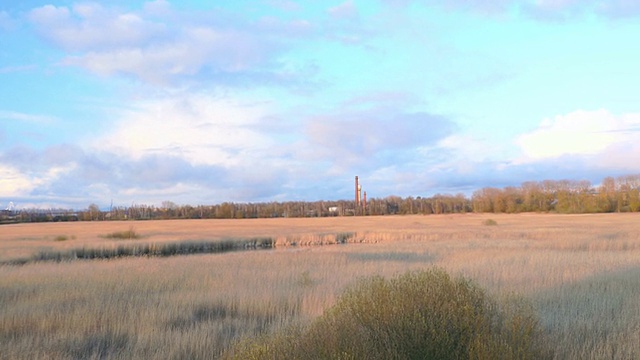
342 238
490 222
419 315
124 235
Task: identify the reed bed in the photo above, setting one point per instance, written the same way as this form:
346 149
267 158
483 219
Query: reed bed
147 250
580 273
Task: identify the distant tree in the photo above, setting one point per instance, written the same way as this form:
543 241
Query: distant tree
225 211
94 212
532 196
607 195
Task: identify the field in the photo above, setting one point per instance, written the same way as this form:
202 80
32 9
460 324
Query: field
581 273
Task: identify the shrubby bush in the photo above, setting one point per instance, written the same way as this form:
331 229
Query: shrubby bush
490 222
419 315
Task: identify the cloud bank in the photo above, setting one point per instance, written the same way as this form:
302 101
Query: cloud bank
287 100
538 9
163 46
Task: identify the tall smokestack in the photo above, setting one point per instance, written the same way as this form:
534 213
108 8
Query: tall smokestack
364 203
357 193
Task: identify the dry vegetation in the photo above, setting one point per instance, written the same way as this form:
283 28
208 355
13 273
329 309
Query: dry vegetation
581 273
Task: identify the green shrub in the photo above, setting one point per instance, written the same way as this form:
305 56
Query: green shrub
61 238
419 315
490 222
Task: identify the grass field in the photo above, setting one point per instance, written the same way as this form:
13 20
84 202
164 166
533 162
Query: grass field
580 272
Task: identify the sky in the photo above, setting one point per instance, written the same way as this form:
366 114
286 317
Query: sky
201 102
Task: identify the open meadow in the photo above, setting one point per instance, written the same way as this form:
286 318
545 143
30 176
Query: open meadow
581 274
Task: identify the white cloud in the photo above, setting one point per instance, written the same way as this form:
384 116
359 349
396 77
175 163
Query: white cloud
610 8
89 26
581 133
541 9
28 118
159 45
204 130
198 48
460 153
345 10
165 46
378 136
49 15
555 5
15 183
171 192
16 69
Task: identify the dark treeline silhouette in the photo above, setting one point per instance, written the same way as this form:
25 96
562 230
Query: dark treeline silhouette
37 215
620 194
390 205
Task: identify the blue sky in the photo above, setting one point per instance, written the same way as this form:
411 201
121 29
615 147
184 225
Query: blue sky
200 102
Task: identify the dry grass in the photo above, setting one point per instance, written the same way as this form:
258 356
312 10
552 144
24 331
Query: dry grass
581 273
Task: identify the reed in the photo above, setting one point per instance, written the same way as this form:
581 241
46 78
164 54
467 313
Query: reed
148 250
580 274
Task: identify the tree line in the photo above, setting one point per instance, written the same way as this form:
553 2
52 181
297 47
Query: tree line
620 194
390 205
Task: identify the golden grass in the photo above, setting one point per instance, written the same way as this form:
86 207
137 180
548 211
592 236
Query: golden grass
581 273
